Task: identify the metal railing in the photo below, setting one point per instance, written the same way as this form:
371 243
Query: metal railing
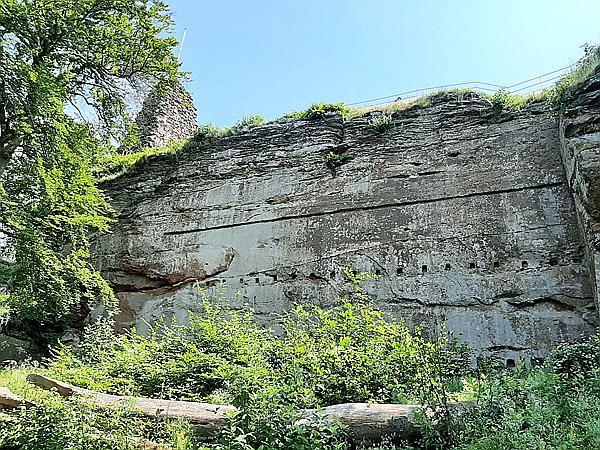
530 85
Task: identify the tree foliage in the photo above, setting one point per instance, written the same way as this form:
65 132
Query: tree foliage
67 71
91 52
49 204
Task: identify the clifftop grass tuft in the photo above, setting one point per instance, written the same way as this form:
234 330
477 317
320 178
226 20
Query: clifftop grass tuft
114 165
318 110
561 94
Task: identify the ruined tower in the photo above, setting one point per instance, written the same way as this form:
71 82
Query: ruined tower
168 115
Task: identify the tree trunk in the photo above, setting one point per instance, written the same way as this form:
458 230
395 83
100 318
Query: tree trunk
365 422
8 400
368 423
205 417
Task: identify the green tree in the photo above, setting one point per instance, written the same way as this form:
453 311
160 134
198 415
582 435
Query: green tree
61 59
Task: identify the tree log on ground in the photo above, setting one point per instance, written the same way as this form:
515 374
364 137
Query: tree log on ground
365 422
8 400
369 422
205 417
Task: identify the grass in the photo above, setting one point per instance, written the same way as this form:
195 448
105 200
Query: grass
562 92
114 165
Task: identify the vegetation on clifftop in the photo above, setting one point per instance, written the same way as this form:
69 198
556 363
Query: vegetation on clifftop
561 94
500 102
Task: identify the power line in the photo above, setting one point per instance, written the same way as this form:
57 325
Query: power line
537 84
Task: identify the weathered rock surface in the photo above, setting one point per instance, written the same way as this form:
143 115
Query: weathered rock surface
467 216
12 348
580 145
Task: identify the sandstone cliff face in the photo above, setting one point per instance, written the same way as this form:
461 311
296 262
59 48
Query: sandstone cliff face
580 144
466 215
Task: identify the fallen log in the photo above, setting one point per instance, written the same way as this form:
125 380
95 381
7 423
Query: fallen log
368 422
205 417
8 400
364 422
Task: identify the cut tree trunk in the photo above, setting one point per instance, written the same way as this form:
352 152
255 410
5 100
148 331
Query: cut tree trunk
365 422
205 417
369 422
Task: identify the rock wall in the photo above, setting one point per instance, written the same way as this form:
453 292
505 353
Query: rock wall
465 213
580 145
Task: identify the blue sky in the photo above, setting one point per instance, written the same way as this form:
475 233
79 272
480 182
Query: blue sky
271 57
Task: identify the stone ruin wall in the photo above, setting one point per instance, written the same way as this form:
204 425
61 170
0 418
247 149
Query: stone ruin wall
467 216
167 115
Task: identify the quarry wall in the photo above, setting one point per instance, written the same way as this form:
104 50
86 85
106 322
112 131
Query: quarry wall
464 211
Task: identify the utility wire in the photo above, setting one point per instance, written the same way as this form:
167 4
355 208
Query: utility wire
537 84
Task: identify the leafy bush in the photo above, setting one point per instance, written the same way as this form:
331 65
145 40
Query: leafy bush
248 122
381 123
504 101
318 110
556 406
351 352
337 159
575 361
263 424
532 409
208 132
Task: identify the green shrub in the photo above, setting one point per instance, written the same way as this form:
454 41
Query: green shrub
351 352
381 123
556 406
208 132
576 360
562 92
337 159
318 110
248 122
